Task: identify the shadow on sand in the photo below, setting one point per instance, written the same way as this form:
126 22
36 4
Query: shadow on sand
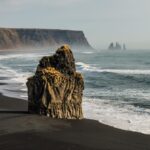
13 112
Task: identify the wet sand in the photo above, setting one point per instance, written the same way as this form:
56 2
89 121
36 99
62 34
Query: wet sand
22 131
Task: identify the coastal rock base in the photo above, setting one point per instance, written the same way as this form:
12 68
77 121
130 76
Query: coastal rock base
56 89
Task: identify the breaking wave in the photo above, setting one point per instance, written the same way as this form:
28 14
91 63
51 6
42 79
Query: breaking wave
88 67
125 117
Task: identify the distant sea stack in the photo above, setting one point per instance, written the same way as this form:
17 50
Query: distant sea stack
56 89
116 46
11 38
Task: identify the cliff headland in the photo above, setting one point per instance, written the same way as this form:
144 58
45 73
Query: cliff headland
12 38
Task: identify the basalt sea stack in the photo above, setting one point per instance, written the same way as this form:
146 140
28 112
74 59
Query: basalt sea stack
56 89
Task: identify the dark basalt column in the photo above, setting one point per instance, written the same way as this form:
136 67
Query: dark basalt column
56 89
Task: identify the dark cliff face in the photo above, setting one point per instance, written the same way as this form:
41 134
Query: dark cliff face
16 38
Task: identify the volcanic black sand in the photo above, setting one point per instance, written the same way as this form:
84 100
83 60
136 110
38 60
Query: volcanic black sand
22 131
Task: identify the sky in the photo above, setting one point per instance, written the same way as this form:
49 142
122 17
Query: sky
103 21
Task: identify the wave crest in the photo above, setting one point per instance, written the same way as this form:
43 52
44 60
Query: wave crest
87 67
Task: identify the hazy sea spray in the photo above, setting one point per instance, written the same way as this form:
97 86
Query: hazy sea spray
116 84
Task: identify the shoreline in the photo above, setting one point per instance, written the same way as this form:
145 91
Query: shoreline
12 104
20 130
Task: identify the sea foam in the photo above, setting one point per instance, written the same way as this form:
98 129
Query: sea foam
127 117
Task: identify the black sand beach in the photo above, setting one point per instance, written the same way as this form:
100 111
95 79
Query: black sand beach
22 131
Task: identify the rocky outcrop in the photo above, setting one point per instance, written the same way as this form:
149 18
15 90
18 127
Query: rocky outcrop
56 89
18 38
112 46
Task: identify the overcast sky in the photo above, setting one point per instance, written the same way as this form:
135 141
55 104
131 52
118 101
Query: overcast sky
103 21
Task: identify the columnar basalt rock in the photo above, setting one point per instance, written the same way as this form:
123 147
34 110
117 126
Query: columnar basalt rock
56 89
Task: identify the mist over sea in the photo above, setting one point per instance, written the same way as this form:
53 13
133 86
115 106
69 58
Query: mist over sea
117 83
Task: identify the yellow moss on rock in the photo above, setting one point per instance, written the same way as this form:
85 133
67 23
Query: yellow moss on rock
65 47
52 73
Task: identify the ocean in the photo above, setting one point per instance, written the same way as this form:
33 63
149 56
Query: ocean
117 83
